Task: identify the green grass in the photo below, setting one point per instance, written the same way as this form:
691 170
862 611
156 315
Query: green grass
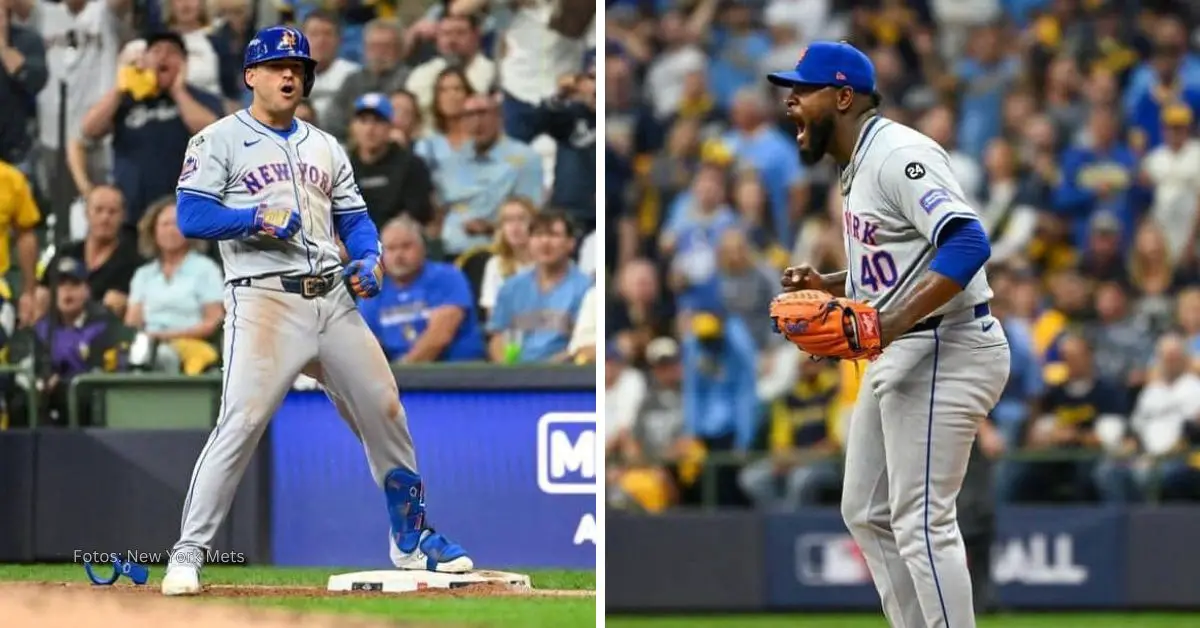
1030 620
492 612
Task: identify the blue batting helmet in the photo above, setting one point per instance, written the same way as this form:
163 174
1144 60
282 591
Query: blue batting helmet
281 42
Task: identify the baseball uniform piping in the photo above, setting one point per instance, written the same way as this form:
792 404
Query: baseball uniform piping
187 503
928 456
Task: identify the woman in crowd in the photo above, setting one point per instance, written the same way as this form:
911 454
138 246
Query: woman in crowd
407 122
510 251
176 299
449 133
1152 275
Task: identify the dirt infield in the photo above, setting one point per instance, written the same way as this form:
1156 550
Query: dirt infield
71 604
486 589
63 606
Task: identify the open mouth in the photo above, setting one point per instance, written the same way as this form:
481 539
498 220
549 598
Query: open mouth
289 89
799 130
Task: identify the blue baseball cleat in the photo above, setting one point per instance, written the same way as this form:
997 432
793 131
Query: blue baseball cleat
434 552
412 544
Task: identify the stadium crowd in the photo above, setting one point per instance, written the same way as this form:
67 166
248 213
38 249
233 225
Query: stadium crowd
1070 124
470 126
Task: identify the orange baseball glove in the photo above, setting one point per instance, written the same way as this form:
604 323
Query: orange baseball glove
826 326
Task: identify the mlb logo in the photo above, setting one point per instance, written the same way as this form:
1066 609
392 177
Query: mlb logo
566 453
839 76
830 560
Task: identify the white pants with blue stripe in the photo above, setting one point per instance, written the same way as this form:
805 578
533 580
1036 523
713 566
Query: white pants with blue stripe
907 448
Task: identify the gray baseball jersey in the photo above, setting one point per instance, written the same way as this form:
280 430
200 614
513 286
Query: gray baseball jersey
242 163
902 193
272 335
920 403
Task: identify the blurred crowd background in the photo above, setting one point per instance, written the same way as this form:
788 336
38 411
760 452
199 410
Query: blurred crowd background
1071 125
470 125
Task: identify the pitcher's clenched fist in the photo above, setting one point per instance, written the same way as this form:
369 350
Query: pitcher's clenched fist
802 277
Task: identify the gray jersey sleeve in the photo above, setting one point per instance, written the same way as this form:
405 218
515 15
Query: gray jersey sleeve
917 182
206 166
347 198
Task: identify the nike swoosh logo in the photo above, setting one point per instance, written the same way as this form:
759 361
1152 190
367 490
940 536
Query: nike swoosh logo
251 143
987 326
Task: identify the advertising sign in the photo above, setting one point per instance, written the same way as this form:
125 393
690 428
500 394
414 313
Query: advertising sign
1042 557
511 475
813 562
1060 557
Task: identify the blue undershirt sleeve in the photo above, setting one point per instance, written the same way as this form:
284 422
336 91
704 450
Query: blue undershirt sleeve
358 233
963 249
206 218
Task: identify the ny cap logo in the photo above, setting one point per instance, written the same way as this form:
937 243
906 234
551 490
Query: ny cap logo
287 40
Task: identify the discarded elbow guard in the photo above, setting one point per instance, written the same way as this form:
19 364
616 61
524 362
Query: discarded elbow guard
137 573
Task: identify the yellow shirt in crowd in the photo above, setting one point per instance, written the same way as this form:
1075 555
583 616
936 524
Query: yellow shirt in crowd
17 210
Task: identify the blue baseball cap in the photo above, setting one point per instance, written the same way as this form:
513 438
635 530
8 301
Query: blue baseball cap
376 103
827 63
71 268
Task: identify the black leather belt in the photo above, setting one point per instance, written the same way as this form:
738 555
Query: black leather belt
307 286
933 322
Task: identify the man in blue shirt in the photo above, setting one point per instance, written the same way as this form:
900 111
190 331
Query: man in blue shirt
424 311
151 132
691 234
1167 86
1171 58
536 310
736 46
1099 176
984 78
476 181
757 142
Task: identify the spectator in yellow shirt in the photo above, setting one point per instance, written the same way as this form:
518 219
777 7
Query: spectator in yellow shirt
802 468
18 217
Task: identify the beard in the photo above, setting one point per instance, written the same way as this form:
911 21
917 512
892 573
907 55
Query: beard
819 133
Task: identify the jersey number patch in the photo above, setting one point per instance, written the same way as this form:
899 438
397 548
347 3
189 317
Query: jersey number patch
878 269
914 170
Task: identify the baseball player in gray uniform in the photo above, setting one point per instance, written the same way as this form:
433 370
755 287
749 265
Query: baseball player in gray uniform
915 252
275 192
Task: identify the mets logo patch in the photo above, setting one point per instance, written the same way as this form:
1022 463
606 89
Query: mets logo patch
287 40
931 199
190 166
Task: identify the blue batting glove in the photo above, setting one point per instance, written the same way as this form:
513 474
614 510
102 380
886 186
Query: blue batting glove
364 276
277 223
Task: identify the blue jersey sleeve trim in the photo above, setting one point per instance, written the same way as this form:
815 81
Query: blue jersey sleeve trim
964 250
200 216
358 233
351 210
936 235
203 193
